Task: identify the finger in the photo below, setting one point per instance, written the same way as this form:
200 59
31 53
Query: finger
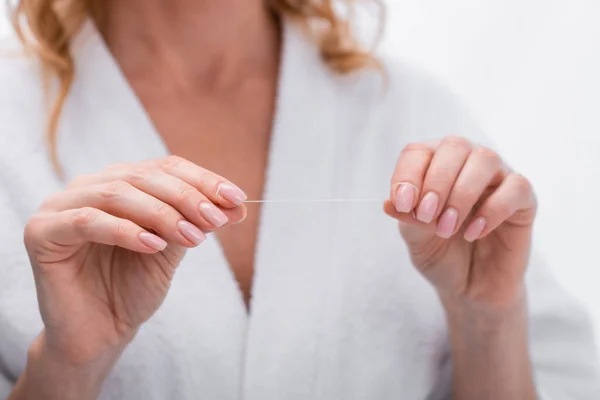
513 200
188 200
483 169
407 218
216 188
87 224
443 170
409 174
84 180
122 200
413 230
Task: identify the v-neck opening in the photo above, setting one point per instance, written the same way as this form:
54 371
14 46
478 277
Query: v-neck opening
89 28
292 269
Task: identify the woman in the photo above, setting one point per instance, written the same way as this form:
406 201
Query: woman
312 300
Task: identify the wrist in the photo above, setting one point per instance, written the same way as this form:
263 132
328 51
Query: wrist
486 327
489 348
51 374
464 310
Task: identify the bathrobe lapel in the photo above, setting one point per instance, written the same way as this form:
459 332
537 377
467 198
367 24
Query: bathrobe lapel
203 317
293 248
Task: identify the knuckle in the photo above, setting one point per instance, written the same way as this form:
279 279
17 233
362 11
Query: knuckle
487 154
203 177
463 194
468 193
50 201
82 218
115 167
34 228
522 183
161 210
170 163
121 230
417 147
114 190
438 186
138 174
187 194
463 201
457 141
497 206
79 181
501 208
440 180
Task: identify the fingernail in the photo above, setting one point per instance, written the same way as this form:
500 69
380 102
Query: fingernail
152 241
475 229
191 232
428 207
405 198
213 215
232 193
447 223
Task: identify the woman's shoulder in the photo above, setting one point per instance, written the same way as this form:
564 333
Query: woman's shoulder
22 111
23 157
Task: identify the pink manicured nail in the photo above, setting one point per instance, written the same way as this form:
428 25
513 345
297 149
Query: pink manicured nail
213 215
428 207
152 241
447 223
232 193
191 232
405 198
475 229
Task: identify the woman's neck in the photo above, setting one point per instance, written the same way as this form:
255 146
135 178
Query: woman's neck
200 40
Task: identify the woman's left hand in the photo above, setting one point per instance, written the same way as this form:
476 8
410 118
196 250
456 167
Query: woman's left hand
467 221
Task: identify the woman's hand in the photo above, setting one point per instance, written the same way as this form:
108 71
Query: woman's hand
467 221
104 251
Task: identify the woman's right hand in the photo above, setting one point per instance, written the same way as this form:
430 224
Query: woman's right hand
104 251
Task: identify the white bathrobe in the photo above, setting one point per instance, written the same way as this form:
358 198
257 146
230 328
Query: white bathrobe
338 311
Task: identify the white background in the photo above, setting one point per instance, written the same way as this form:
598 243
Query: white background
530 70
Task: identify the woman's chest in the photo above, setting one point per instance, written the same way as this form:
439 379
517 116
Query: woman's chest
228 134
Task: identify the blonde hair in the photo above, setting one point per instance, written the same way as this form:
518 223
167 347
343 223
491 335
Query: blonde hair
52 25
